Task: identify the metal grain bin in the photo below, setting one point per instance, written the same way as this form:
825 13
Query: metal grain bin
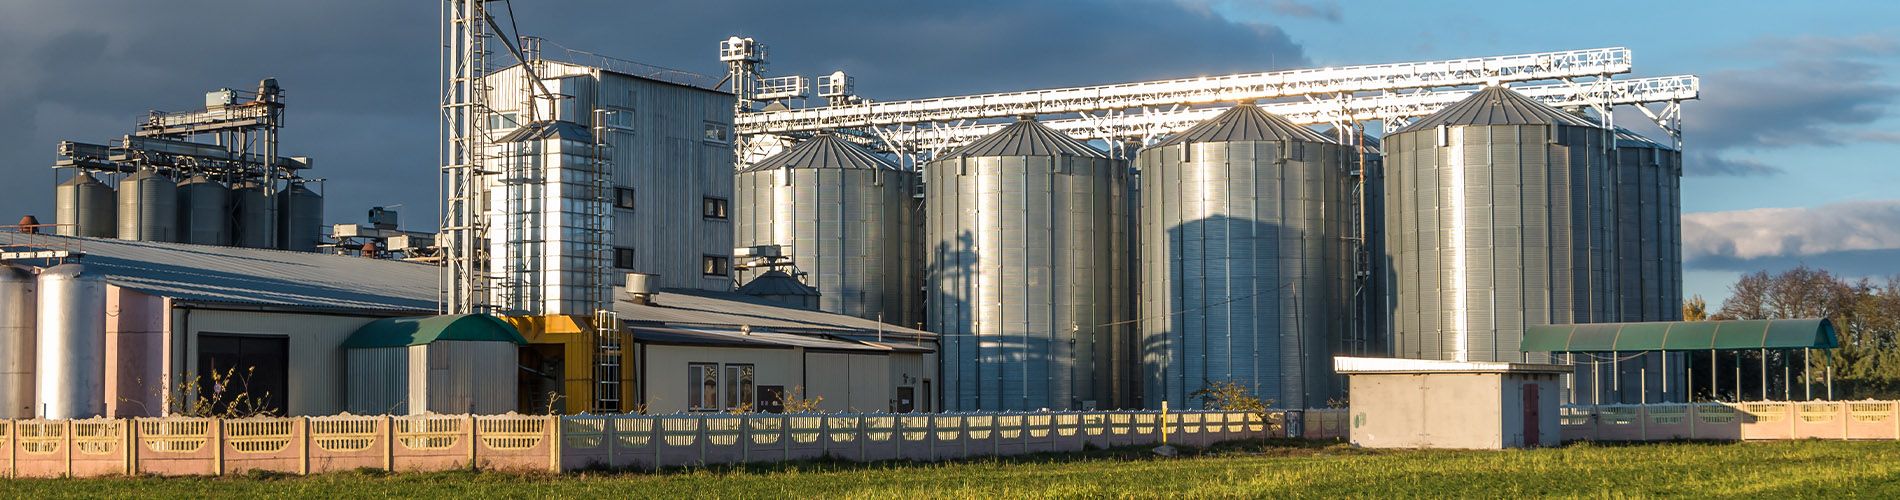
251 220
18 330
299 218
1498 215
1371 308
204 211
1245 266
847 218
1648 228
83 206
71 364
148 207
1029 272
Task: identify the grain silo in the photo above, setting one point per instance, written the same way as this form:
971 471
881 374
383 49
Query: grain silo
251 219
18 332
299 218
1498 211
148 207
1027 232
1648 228
71 339
847 218
1245 273
204 211
83 206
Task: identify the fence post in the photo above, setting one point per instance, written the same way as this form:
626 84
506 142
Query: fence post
13 446
68 447
217 450
472 443
930 436
554 442
131 446
785 435
1164 423
862 438
745 439
389 443
303 459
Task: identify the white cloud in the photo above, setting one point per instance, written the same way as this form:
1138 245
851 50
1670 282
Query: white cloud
1758 236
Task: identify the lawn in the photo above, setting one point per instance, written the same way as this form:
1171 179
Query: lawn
1772 469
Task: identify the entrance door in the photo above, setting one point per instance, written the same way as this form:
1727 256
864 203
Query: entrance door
248 370
1531 432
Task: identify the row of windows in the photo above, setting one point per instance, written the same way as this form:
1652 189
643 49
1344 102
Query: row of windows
711 207
710 265
704 381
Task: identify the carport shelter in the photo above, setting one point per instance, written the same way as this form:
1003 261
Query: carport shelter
1736 336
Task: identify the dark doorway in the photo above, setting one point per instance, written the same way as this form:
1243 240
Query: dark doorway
772 398
1531 431
244 374
906 399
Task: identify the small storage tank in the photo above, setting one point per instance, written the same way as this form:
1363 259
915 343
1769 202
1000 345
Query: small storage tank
1649 228
204 211
71 364
1246 273
18 332
1029 272
83 206
1499 217
299 218
251 222
847 218
148 207
776 287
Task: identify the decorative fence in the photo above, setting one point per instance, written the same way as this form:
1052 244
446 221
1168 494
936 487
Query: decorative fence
306 445
1734 421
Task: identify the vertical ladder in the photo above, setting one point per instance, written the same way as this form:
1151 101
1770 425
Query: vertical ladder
598 219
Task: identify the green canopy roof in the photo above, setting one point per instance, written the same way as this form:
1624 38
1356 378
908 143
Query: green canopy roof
1682 336
398 332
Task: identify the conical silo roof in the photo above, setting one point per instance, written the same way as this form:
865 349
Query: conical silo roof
1026 137
1246 122
1497 106
824 151
1367 144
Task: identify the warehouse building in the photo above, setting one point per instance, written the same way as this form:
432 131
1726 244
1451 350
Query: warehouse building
131 328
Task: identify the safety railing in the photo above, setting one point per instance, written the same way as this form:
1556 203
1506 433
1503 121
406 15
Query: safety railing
306 445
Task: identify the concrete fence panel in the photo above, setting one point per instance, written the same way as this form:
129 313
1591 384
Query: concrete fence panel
682 441
1820 420
806 437
1716 421
349 442
586 442
41 448
264 444
1873 420
178 446
842 437
99 447
433 442
879 437
1767 421
1068 432
515 443
724 439
1666 422
949 441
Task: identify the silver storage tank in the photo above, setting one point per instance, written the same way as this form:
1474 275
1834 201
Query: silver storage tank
299 218
17 338
846 219
1498 215
1649 228
71 364
1370 306
251 221
148 207
204 211
1244 261
1029 272
83 206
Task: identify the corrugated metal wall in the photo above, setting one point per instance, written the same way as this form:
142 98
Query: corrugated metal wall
852 230
1245 275
1029 280
462 377
378 381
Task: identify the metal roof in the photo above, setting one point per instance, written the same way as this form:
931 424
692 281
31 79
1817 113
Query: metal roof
546 128
1682 336
1026 137
754 339
1246 122
1626 138
776 282
688 308
824 151
420 330
1497 106
247 276
1350 365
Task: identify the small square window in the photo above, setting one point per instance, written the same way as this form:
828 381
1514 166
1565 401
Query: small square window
715 265
623 198
715 208
718 132
618 118
623 257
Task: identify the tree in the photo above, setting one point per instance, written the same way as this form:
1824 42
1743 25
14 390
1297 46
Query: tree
1695 309
1865 313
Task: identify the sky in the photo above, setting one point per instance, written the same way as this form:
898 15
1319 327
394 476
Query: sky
1789 153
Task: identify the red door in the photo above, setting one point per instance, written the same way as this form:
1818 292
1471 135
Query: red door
1531 435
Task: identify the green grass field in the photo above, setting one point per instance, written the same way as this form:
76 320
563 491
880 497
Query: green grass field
1797 468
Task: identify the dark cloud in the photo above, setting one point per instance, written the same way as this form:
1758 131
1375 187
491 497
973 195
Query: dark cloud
1327 11
1854 238
1815 91
361 74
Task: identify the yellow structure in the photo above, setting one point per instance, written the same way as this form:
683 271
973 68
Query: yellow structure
574 335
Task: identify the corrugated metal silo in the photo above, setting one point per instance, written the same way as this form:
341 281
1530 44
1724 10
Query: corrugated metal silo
71 363
250 221
204 211
1246 272
148 207
18 330
1649 228
86 204
847 219
299 218
1030 270
1499 215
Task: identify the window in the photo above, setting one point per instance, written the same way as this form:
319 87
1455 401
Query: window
739 391
715 208
618 118
702 387
501 122
623 197
718 132
623 257
715 265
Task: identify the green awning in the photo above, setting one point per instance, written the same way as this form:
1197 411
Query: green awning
1682 336
398 332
